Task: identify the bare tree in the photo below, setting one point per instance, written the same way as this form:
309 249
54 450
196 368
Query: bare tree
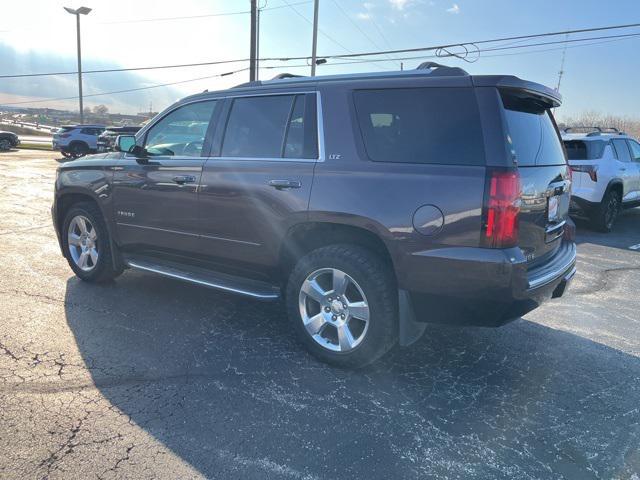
596 119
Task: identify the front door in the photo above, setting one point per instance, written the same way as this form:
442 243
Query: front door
156 193
257 183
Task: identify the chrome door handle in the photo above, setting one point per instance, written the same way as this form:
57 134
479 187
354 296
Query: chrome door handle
282 184
182 179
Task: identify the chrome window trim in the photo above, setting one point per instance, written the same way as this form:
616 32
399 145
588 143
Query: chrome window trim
319 125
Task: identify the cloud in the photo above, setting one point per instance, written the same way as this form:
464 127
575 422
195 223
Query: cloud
455 9
368 5
364 16
13 60
399 4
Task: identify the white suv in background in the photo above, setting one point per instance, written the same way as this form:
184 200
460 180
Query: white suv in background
606 173
74 141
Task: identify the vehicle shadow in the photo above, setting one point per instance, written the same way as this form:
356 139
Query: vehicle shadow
626 231
222 382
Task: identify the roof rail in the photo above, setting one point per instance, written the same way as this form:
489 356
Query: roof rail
593 131
442 70
280 76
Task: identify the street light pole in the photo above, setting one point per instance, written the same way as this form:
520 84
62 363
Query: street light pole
316 4
77 13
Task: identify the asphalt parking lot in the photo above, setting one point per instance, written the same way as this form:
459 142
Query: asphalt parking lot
147 377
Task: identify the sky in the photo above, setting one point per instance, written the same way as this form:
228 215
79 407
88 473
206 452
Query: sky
38 35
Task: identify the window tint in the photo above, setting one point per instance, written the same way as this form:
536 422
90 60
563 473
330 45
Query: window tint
182 131
580 150
421 125
622 151
532 136
256 127
635 150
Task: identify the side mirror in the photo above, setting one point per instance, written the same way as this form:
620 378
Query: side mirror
125 143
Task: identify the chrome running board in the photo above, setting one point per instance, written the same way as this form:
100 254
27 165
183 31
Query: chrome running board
219 281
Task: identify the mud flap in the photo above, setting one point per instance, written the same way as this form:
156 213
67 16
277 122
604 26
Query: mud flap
410 330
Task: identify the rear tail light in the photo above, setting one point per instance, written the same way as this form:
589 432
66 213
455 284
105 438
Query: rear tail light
501 208
591 170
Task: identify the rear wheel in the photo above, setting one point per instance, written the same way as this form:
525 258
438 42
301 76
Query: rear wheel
78 149
342 302
604 216
86 244
5 144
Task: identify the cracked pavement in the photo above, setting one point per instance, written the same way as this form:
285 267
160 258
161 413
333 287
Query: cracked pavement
147 377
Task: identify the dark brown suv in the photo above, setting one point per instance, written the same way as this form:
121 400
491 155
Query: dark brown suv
371 203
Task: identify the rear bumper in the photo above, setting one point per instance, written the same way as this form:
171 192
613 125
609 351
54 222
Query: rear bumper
580 205
484 287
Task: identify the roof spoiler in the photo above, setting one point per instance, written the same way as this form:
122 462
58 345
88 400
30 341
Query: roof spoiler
545 96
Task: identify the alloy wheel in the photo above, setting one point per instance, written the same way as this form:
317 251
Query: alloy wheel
334 309
83 243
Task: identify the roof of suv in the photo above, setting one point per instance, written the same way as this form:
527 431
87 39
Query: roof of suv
426 70
593 136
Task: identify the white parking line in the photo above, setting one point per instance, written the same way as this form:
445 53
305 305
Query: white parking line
635 247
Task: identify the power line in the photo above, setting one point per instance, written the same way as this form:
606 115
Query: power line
130 89
185 17
305 65
377 53
346 15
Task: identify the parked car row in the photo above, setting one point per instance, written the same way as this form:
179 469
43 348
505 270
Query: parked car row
75 141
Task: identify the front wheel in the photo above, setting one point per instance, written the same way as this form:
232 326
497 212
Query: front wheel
342 303
604 217
86 244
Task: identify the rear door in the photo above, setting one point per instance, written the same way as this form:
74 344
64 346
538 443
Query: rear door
257 181
626 169
156 195
544 174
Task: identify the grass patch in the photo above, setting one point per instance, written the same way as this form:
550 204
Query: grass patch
35 146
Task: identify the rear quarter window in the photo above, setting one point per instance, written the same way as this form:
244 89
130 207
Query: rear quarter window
421 125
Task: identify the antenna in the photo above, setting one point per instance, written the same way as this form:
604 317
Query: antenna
564 55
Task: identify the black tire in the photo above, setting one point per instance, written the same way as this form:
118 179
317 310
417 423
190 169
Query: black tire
5 145
78 149
103 270
605 214
376 281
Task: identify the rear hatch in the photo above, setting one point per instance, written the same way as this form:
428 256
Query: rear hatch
545 179
584 156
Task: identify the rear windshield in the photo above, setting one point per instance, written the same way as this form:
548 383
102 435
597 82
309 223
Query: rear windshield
421 125
581 150
66 129
532 134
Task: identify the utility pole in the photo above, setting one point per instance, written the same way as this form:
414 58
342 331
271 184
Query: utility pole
77 12
258 44
252 53
314 45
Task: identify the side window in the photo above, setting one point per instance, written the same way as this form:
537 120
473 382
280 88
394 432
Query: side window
421 125
635 150
182 131
622 150
256 127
